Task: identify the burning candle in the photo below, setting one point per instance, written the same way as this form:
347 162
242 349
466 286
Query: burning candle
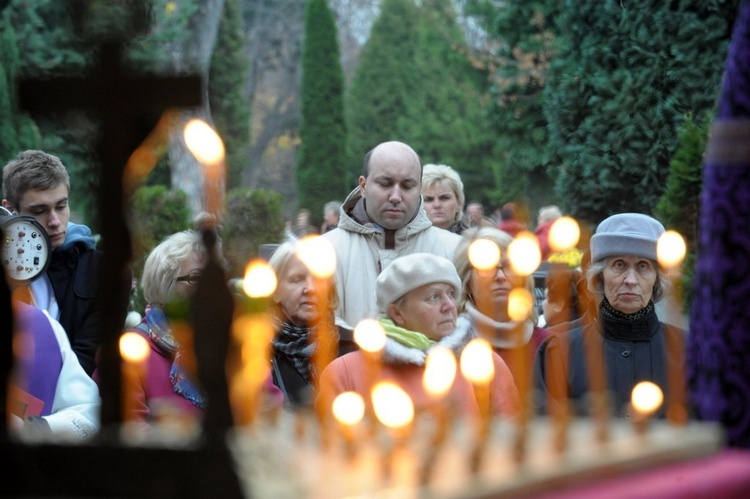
206 145
253 331
670 252
477 366
349 409
134 351
524 253
438 377
645 400
395 410
564 234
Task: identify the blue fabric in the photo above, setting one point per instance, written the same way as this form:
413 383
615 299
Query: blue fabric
79 234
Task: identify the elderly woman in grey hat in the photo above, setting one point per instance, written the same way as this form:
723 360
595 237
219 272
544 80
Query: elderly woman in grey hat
626 343
416 296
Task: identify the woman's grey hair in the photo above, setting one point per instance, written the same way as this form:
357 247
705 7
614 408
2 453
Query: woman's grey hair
280 260
443 174
163 264
461 260
595 281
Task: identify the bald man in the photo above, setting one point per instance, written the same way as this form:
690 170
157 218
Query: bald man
382 219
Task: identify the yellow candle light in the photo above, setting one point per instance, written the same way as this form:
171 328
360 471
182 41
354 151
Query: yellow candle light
484 254
524 253
477 366
393 406
520 304
369 336
134 351
203 142
646 399
206 145
440 371
260 280
670 249
438 377
349 409
253 330
564 234
318 255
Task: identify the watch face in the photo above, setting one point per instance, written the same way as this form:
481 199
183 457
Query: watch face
25 248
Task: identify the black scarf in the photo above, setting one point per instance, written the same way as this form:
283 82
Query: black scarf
297 344
618 326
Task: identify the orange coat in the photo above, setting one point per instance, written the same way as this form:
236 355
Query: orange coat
354 372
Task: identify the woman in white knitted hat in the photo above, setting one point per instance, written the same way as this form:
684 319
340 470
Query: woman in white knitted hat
626 343
416 296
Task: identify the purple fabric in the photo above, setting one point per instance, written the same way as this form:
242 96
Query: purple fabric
719 343
40 365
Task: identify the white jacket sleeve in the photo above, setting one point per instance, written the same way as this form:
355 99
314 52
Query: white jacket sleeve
75 410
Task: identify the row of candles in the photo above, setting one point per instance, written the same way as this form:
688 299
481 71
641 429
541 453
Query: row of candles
391 406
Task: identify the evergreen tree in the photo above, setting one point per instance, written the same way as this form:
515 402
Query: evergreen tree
383 82
18 131
679 207
253 218
416 83
527 44
230 106
629 73
446 120
321 157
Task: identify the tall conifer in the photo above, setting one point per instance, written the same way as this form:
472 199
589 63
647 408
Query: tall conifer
630 72
230 106
321 157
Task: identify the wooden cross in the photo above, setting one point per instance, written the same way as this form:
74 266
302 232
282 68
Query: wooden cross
127 108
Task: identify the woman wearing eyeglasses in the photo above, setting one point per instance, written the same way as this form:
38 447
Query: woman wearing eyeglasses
485 302
170 275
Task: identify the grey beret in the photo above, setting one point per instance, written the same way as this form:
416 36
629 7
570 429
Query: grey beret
409 272
626 234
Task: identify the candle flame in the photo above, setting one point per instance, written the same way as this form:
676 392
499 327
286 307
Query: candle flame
646 397
520 304
203 142
392 405
260 280
564 234
440 371
369 336
133 347
524 253
348 408
318 255
670 249
484 254
476 361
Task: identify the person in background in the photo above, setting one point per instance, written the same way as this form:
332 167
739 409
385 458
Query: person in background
546 217
302 226
485 302
51 397
474 216
381 220
37 184
330 216
626 343
562 310
443 194
416 296
299 325
509 220
171 273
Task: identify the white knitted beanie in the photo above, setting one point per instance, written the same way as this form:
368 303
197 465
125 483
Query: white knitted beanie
626 234
409 272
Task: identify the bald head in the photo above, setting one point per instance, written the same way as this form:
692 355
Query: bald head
391 184
392 151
